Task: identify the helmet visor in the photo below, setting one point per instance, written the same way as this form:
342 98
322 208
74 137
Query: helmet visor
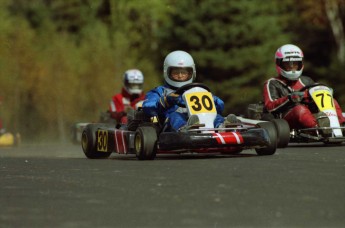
291 63
180 74
134 86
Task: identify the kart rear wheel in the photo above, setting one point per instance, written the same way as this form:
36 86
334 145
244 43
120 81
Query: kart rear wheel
145 143
89 142
283 132
272 133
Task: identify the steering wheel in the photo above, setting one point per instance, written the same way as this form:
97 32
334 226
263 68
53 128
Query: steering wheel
309 101
184 88
309 86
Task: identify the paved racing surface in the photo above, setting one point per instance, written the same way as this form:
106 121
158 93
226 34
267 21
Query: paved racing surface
56 186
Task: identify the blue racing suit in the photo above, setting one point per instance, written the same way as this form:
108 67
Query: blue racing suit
173 116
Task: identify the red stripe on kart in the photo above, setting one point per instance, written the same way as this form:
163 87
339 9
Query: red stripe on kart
119 141
228 138
116 141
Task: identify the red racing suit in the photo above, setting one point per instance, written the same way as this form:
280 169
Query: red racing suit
121 102
277 102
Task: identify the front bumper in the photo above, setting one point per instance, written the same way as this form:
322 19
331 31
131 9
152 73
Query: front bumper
251 138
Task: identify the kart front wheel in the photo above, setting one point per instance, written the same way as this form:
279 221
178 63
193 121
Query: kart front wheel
272 134
283 132
89 142
145 143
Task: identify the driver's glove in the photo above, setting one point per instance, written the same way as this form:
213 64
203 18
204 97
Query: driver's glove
128 108
170 100
296 96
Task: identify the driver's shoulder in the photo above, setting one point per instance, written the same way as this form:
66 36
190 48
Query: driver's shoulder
158 90
306 80
275 81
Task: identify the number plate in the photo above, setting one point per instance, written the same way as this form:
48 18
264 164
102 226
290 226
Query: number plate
323 99
102 140
200 102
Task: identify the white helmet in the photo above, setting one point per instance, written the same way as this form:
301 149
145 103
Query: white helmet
133 81
289 53
179 59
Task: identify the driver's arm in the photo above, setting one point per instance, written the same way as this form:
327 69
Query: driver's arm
275 96
152 105
219 103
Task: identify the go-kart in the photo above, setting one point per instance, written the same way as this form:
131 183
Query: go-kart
77 128
319 100
146 137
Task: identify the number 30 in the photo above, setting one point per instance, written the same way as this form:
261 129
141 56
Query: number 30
205 103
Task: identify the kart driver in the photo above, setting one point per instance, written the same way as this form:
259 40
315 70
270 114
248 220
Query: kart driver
131 95
162 101
281 96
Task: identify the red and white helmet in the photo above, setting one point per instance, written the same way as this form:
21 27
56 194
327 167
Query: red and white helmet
133 81
289 53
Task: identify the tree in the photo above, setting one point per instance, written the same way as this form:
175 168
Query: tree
337 25
63 60
232 42
320 34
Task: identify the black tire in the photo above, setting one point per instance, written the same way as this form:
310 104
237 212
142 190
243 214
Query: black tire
272 134
89 142
145 143
283 132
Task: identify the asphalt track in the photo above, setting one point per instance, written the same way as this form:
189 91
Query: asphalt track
54 185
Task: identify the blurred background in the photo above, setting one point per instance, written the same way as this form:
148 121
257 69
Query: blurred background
62 60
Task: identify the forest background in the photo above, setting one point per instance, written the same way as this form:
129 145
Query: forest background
62 60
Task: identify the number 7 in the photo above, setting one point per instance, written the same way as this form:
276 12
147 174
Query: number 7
322 98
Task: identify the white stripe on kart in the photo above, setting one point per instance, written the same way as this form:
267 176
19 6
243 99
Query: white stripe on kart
116 142
123 142
221 138
237 138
